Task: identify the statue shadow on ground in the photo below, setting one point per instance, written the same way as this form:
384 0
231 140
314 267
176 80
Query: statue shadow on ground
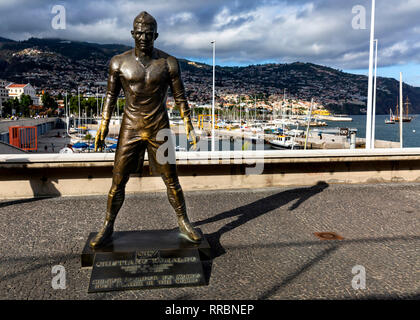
19 201
256 209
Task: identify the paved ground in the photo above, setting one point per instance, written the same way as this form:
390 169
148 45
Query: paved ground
53 140
263 242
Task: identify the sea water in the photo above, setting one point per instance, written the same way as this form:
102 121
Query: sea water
383 131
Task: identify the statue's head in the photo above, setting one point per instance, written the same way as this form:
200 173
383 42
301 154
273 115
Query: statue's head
144 31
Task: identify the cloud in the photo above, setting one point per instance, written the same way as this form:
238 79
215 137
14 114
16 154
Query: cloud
245 31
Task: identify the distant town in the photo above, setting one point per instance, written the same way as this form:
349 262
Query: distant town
19 100
46 71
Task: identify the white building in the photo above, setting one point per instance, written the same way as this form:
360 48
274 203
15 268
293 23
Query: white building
16 91
4 94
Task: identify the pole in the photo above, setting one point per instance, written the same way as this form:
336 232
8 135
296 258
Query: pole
255 108
370 85
374 96
212 106
97 103
78 96
240 113
68 115
401 111
102 103
309 122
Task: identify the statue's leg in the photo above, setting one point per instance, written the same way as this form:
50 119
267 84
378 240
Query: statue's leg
176 199
175 195
126 161
115 200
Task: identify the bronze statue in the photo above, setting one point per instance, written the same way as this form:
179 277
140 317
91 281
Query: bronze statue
144 73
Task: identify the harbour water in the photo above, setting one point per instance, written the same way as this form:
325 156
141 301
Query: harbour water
388 132
220 144
385 132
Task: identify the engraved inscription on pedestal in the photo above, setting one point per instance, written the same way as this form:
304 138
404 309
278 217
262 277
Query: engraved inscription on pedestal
146 269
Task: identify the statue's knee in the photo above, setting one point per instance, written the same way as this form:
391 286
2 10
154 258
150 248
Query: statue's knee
171 182
118 185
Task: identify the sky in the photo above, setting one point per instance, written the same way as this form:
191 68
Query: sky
326 32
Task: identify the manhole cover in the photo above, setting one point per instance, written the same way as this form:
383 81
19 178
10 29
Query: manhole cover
328 236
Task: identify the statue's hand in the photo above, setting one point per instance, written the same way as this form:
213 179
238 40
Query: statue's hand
189 129
100 137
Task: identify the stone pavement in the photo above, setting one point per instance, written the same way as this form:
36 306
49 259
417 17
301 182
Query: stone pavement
54 140
263 242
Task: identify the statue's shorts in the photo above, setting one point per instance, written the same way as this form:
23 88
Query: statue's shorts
129 158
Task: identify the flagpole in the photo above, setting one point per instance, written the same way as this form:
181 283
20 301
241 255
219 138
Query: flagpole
374 96
401 111
370 85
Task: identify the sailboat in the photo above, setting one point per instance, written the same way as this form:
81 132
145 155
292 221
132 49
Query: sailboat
405 117
391 118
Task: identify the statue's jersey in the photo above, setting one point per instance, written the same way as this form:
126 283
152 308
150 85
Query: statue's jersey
145 85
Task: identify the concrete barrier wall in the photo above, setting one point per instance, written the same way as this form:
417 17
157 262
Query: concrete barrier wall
43 126
23 176
5 124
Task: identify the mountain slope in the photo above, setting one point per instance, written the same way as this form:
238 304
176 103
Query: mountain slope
63 64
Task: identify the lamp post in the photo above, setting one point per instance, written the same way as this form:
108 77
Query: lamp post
212 106
370 85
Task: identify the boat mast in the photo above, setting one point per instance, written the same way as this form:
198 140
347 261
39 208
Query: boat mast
407 103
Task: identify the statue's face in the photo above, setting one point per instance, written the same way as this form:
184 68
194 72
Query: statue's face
144 35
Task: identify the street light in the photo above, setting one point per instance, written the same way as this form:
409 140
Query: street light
212 106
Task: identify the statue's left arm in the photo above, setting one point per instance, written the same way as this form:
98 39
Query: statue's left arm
178 91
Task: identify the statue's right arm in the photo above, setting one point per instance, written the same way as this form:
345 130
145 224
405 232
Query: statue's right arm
112 92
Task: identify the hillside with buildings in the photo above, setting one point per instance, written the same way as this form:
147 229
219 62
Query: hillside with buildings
58 66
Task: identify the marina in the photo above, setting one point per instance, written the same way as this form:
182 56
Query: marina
279 134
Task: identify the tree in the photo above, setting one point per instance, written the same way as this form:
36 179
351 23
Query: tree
25 102
49 102
11 105
7 107
74 104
